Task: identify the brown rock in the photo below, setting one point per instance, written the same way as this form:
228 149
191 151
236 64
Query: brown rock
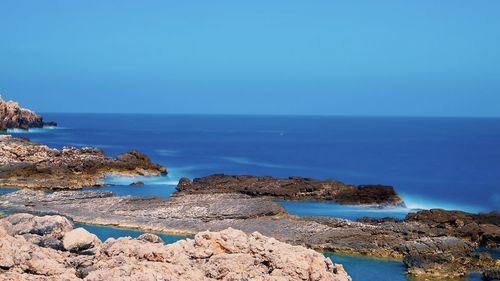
27 164
149 237
12 116
293 188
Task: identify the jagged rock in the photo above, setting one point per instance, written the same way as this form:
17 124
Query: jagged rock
483 228
137 183
79 239
492 274
12 116
150 238
27 164
226 255
294 188
48 226
436 257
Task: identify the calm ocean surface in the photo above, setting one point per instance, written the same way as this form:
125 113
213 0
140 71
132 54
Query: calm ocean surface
451 163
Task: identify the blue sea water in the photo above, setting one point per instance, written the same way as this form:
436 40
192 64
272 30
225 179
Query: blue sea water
450 163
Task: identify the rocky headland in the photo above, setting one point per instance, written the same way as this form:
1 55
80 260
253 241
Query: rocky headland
49 248
293 188
27 164
431 243
13 116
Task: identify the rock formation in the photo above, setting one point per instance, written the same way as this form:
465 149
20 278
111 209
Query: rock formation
12 116
27 164
293 188
226 255
422 245
482 228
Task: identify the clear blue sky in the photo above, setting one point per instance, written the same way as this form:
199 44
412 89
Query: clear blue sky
425 57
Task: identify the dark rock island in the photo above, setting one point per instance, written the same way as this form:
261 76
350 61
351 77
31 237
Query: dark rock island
293 188
12 116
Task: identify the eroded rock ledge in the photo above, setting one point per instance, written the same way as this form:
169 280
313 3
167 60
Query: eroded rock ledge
27 164
13 116
293 188
48 248
443 248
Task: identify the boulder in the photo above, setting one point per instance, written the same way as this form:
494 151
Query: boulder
149 237
80 239
48 226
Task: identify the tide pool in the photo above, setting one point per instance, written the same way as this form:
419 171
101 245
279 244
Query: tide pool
105 232
314 208
363 268
5 190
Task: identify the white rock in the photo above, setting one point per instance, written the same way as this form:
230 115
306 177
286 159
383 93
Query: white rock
79 239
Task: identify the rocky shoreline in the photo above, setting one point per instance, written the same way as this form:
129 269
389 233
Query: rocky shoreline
293 188
26 164
13 116
436 243
431 243
49 248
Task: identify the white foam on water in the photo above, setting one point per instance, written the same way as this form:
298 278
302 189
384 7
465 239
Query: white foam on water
150 180
33 130
167 152
172 178
418 202
247 161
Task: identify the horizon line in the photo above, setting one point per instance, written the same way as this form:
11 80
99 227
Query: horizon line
276 115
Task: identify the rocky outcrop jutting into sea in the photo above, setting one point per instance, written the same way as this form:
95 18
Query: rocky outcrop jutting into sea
293 188
27 164
48 248
442 247
13 116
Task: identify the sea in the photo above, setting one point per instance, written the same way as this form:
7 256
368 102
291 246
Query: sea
448 163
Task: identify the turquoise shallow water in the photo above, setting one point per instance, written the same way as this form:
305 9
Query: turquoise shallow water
6 190
359 268
105 232
313 208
